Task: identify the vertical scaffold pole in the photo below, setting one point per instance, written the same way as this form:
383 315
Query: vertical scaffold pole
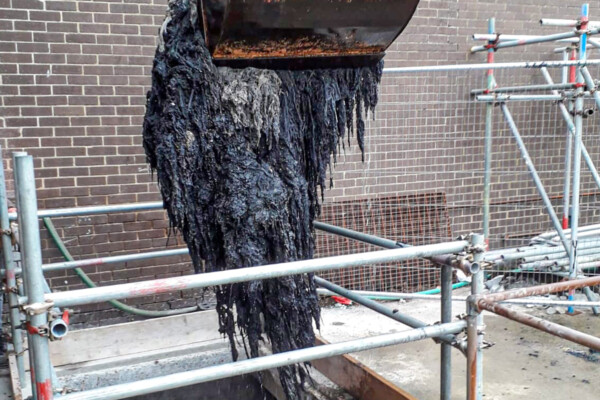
577 151
488 139
446 349
11 281
37 324
475 325
21 287
571 77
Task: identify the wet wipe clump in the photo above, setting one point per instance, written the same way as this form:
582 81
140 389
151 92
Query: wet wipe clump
241 158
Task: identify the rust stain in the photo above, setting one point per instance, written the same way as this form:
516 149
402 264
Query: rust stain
158 287
301 47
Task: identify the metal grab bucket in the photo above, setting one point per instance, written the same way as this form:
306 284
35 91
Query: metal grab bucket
302 33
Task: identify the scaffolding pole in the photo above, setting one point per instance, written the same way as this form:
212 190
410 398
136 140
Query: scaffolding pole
138 289
228 370
487 145
14 314
37 324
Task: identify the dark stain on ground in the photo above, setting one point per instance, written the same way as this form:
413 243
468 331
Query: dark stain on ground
241 158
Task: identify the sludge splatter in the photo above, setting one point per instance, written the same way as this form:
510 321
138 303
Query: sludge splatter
241 158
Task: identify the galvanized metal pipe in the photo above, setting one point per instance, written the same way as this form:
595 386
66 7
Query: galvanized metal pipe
138 289
573 269
113 259
11 282
560 262
389 296
188 378
536 179
474 330
519 97
572 335
379 308
573 23
385 243
552 234
487 144
533 40
509 38
525 88
559 256
485 66
445 348
94 210
591 85
34 278
541 290
568 147
21 287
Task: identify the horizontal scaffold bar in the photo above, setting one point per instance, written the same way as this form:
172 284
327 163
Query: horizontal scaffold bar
182 379
138 289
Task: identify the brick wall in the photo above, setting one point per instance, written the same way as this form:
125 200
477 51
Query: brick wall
74 77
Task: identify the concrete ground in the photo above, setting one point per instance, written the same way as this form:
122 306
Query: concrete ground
522 363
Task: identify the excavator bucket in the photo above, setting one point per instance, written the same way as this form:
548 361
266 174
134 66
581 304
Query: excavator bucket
299 34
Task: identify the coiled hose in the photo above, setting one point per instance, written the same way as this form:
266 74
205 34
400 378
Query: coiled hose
89 283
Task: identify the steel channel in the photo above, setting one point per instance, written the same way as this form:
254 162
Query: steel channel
11 281
572 335
34 277
173 381
379 308
138 289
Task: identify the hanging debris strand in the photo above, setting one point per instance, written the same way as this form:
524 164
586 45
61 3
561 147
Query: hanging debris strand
240 156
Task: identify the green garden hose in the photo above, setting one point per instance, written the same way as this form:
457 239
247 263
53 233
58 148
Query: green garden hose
89 283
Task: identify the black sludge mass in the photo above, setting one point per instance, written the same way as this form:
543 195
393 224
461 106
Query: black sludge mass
241 158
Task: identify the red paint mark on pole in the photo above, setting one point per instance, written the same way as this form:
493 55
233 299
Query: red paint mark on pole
565 222
572 68
44 390
159 286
